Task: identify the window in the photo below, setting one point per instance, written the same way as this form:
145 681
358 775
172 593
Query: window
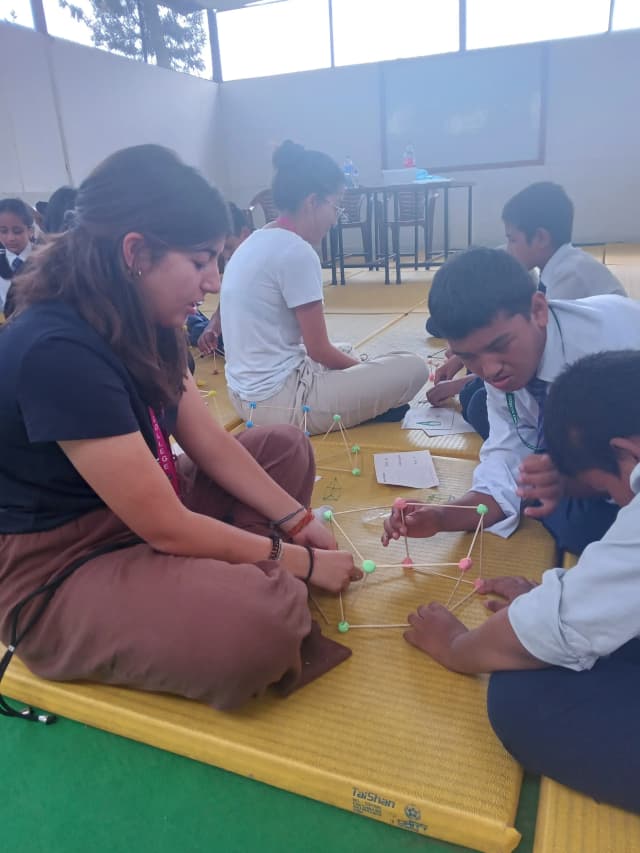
366 31
16 12
626 15
274 38
138 29
491 23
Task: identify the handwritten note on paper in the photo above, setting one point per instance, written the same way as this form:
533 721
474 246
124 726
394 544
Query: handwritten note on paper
414 469
435 420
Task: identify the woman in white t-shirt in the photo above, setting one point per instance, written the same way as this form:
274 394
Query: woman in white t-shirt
279 358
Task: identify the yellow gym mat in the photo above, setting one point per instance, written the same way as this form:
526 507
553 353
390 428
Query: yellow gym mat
366 295
407 334
386 437
209 381
628 274
622 253
569 822
596 252
357 328
388 734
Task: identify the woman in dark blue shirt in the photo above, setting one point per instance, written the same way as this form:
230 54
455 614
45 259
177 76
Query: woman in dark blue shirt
187 575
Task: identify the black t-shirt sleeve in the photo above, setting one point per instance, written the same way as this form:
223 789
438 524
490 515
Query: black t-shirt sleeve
68 391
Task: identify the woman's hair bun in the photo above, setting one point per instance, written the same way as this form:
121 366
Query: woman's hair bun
287 154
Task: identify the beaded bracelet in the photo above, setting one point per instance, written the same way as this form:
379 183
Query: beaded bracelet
276 548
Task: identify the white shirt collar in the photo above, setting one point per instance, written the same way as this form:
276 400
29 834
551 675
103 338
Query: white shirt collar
553 356
551 267
634 479
24 254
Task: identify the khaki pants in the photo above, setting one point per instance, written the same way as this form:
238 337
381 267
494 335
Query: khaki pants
196 627
357 393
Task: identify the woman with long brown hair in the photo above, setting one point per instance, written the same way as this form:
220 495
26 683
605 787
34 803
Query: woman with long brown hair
186 576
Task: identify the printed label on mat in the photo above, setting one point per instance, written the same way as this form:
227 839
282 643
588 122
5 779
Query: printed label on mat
370 802
373 804
412 822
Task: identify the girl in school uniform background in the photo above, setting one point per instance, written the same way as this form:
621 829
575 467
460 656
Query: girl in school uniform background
189 574
17 237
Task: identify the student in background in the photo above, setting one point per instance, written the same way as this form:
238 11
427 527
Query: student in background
17 236
517 342
538 223
565 695
203 332
277 349
190 572
59 207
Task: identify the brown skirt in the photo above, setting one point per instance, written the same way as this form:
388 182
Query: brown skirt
197 627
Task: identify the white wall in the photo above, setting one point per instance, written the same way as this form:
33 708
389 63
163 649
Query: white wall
105 102
593 135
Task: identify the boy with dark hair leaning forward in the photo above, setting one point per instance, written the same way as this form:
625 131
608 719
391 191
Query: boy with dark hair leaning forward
518 343
565 694
538 224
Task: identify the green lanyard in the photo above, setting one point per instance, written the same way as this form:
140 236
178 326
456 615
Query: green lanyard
511 405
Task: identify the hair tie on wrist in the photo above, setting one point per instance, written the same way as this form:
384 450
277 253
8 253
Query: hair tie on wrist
312 559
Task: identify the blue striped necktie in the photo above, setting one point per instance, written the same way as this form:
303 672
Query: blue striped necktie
17 264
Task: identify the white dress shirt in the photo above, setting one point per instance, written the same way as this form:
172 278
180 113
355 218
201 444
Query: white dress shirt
573 274
579 615
576 328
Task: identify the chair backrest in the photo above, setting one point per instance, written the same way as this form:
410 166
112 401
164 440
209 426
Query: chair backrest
352 203
410 206
264 200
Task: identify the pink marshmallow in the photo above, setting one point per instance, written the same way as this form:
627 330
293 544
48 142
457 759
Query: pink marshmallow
400 503
407 562
465 564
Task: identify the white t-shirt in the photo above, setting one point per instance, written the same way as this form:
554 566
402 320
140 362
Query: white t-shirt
571 273
270 274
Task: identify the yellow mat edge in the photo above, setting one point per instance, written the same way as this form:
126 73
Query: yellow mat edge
468 455
90 705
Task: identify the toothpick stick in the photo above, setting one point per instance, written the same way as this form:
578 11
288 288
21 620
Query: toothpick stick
318 608
329 468
455 589
475 536
341 607
331 426
481 544
406 541
417 565
462 601
345 442
362 509
342 530
400 625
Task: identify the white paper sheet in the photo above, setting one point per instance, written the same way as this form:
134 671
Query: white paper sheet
435 420
414 469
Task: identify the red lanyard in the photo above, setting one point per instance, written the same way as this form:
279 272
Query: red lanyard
165 455
286 223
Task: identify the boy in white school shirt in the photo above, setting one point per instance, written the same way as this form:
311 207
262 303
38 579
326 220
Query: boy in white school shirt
538 223
565 694
511 337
